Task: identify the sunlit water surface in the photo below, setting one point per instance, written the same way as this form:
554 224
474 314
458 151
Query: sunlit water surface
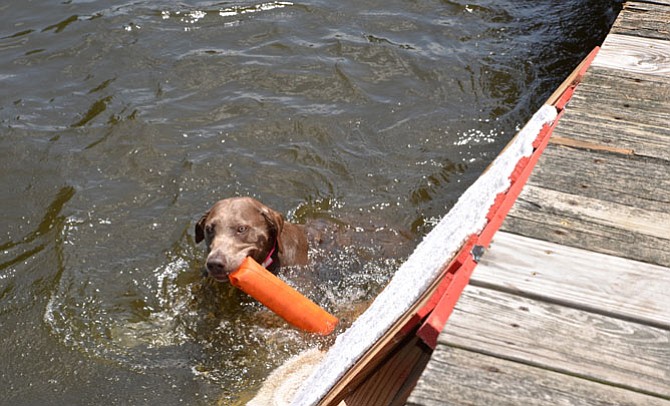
122 122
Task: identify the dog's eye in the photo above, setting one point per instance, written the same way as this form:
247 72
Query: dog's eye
242 229
209 229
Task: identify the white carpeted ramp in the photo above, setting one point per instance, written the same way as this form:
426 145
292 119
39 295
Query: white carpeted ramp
421 269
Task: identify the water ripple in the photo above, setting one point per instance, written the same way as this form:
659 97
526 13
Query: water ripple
121 123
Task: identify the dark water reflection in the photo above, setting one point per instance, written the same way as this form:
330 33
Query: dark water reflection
121 123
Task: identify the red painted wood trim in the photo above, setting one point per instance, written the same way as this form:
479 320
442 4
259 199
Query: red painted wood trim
431 328
518 180
565 97
456 264
441 304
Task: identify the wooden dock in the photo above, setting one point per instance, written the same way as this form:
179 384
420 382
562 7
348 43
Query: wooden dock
570 304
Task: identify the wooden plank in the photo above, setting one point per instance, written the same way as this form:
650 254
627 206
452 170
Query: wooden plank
628 112
576 143
635 54
640 183
591 224
644 19
629 290
392 383
562 339
458 377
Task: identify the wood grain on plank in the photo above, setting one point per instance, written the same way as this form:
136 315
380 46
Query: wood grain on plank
577 278
622 180
392 384
562 339
459 377
644 19
591 224
635 54
629 111
575 143
655 224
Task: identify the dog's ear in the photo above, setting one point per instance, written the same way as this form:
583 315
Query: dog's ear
200 228
275 221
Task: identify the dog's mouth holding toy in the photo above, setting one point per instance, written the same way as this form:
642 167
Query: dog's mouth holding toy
259 283
220 270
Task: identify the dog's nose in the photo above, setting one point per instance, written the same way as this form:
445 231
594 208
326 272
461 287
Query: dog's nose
216 268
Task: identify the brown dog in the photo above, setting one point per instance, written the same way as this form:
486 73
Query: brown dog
239 227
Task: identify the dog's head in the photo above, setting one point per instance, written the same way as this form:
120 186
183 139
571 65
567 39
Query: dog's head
234 229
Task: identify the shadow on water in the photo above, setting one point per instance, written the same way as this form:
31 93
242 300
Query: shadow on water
120 124
52 217
44 234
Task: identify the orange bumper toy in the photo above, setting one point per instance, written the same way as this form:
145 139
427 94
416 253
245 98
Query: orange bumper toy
282 299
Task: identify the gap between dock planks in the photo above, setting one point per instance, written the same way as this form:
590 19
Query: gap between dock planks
593 224
644 19
486 380
581 345
604 284
639 41
580 172
627 118
544 324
